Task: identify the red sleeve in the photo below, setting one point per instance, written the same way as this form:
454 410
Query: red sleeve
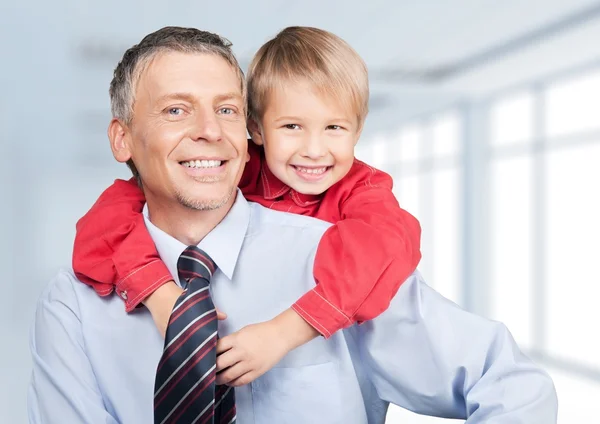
113 248
363 259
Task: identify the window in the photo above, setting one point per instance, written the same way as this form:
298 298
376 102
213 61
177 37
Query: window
512 119
573 106
538 229
544 217
424 159
511 249
572 233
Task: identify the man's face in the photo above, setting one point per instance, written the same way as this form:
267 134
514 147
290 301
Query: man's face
188 133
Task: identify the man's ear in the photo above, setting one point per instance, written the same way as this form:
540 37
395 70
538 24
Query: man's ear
255 132
120 140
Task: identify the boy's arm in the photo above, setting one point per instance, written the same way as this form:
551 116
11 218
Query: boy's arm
113 249
363 259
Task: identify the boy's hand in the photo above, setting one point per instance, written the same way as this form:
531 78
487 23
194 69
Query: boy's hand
248 353
161 303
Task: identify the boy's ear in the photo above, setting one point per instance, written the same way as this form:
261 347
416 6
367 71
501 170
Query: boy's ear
120 140
255 132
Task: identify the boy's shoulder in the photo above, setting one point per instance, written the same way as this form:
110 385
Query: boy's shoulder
361 175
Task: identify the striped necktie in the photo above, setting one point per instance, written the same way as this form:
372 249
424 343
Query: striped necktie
185 390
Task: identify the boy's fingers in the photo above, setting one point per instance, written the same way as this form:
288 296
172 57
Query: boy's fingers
226 360
224 344
221 315
243 380
231 373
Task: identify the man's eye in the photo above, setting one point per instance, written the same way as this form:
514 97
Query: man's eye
226 111
175 111
292 126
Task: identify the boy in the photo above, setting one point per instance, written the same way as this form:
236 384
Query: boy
307 102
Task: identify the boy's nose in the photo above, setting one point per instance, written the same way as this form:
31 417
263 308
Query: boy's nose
314 148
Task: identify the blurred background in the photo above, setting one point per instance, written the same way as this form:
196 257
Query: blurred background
486 113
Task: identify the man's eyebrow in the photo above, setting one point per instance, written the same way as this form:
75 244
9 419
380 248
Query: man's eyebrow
228 96
188 97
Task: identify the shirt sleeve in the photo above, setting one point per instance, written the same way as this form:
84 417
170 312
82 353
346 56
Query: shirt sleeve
63 388
428 355
113 248
362 259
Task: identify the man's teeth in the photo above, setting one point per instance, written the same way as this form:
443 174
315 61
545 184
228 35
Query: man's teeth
202 163
311 170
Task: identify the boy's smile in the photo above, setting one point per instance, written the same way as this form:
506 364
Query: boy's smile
312 173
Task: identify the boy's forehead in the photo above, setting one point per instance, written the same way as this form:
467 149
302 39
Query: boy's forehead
293 94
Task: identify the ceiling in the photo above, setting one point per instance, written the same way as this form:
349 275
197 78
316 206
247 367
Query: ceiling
421 54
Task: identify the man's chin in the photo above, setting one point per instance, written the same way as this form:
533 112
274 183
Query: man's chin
205 202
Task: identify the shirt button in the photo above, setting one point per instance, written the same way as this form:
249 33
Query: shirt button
124 294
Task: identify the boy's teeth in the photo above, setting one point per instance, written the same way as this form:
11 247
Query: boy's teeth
202 163
312 170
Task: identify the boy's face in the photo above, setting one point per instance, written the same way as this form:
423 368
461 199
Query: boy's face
308 138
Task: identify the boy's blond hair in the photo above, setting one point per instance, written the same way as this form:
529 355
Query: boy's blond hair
323 59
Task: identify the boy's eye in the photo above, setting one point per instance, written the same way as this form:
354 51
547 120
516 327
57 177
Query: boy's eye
334 127
292 126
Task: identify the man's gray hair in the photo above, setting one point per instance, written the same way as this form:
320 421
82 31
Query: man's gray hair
174 39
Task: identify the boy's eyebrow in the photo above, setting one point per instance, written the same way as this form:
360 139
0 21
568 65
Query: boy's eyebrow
287 118
296 118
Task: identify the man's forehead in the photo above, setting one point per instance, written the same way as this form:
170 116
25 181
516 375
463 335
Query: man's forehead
192 97
176 74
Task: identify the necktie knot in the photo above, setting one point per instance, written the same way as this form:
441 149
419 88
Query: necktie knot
195 263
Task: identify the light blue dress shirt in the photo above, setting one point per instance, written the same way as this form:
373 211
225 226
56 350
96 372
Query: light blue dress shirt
94 363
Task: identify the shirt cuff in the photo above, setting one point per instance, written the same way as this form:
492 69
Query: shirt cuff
321 314
141 283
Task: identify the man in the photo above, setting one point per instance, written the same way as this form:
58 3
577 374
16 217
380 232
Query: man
182 99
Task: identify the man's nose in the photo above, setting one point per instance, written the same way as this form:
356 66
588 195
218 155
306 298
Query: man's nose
207 126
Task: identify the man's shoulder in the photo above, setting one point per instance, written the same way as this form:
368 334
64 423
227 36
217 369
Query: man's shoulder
271 221
66 293
62 289
65 287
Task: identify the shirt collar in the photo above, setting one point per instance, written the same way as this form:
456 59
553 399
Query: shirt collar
222 244
272 187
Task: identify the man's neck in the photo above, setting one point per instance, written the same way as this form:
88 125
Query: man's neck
187 225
